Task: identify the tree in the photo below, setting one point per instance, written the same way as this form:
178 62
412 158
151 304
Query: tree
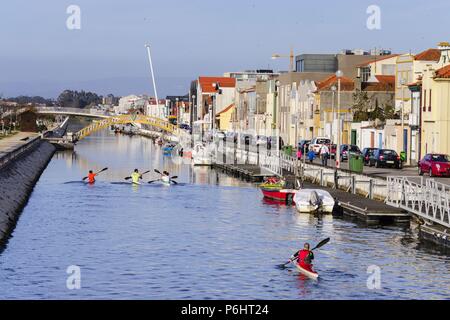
361 106
75 99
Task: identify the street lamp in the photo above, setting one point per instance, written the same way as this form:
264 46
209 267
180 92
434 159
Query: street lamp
333 90
339 75
402 135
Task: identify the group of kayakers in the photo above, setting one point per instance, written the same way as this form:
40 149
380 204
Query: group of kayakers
135 176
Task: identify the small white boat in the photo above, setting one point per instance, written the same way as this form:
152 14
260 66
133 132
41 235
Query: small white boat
313 201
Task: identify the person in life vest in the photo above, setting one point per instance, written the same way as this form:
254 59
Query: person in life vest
136 176
91 176
165 177
305 258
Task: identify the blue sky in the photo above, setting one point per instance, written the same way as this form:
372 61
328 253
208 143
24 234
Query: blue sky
40 56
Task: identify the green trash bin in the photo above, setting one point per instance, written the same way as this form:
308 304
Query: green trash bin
403 156
356 163
288 150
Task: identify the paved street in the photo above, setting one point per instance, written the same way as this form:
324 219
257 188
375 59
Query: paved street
384 172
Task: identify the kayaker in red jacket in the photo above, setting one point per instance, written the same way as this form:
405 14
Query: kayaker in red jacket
91 176
305 258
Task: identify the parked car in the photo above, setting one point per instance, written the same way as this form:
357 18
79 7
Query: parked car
385 158
318 142
347 149
231 137
220 135
367 153
261 140
435 165
332 148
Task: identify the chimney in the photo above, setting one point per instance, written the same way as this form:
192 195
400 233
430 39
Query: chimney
445 53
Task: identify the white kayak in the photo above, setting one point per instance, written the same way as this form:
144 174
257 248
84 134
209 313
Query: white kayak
313 201
309 274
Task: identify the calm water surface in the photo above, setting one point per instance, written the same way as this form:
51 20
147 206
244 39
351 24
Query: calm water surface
212 237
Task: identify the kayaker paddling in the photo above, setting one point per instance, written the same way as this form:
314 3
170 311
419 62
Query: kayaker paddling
305 257
165 177
91 176
136 176
302 259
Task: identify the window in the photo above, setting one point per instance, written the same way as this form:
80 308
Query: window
429 106
424 100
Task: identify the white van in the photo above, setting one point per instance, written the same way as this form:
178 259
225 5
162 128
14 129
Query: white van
318 142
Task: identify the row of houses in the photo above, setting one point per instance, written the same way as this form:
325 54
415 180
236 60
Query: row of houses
384 100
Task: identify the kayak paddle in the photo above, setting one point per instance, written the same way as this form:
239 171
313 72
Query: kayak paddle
174 177
320 244
128 178
104 169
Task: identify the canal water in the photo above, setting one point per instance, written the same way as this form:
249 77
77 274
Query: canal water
210 237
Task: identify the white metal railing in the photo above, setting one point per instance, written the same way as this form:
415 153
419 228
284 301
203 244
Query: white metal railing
430 200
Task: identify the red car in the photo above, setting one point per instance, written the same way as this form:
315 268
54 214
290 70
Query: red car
435 165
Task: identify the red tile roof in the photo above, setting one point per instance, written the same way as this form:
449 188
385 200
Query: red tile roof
326 84
429 55
226 109
206 83
386 79
377 59
443 73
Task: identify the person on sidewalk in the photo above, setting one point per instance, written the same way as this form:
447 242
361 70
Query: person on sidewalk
324 153
311 155
299 154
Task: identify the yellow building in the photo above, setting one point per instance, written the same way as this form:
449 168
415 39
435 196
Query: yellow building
224 118
435 103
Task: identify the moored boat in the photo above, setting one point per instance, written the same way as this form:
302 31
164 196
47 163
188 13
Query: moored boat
314 201
278 194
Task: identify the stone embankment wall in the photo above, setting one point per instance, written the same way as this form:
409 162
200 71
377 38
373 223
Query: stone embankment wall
18 177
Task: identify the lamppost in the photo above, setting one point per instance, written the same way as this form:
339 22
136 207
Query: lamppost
257 116
339 75
216 87
402 135
177 110
333 90
193 107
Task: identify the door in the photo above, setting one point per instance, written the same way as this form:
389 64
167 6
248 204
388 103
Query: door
353 137
405 140
372 139
380 140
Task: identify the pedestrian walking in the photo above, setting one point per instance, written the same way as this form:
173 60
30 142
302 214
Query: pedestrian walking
311 155
324 154
299 154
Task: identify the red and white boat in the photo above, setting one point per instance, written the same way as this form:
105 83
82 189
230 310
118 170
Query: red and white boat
279 194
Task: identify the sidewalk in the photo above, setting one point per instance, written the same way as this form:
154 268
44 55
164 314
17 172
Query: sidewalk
9 144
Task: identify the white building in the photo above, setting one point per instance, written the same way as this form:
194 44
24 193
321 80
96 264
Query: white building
129 102
158 110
